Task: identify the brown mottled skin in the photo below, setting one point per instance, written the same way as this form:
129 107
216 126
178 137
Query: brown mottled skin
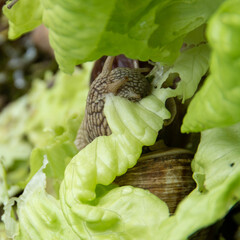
124 82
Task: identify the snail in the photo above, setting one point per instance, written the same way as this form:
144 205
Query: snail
125 82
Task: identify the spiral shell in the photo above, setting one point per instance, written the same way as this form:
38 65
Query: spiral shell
167 174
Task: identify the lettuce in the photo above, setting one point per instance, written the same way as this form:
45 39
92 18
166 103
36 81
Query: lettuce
30 17
93 207
190 66
3 185
68 94
12 144
82 31
217 173
3 235
14 149
217 103
33 124
85 204
52 134
39 210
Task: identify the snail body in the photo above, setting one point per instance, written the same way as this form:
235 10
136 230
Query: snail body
124 82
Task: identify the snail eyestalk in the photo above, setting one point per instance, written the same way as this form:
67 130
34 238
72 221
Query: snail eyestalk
108 64
12 3
135 64
143 70
113 87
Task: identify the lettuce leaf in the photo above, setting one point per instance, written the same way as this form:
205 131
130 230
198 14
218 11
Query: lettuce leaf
59 153
83 31
12 143
66 102
3 185
190 67
39 210
3 235
216 166
14 148
29 17
65 99
217 103
217 172
46 118
89 206
20 134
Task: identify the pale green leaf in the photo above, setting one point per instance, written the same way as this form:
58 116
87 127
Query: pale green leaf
3 185
37 212
82 31
217 172
217 103
190 67
24 16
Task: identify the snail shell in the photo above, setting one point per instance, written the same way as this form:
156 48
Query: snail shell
124 82
167 174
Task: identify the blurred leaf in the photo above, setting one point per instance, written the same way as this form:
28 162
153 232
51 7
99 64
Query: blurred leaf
217 103
82 31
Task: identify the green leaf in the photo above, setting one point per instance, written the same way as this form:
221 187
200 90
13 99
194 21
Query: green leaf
38 213
3 185
218 156
59 153
82 31
190 67
217 172
140 219
24 16
46 118
57 142
24 123
195 37
3 235
65 99
191 75
14 148
217 103
12 144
